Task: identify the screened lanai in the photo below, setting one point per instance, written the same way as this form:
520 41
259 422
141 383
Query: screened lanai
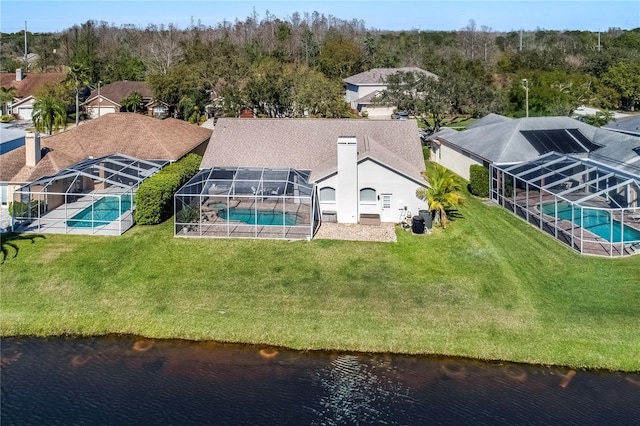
94 196
247 203
589 206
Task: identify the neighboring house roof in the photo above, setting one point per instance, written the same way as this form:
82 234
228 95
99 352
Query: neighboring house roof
31 82
505 142
131 134
378 76
10 137
629 125
488 119
619 150
118 90
23 101
311 144
368 99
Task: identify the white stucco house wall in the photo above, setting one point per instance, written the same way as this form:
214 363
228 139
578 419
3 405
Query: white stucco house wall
362 88
371 167
23 108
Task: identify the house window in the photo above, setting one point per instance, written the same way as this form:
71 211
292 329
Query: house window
327 195
3 194
368 196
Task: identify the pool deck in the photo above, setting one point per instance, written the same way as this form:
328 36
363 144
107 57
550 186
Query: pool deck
54 222
583 241
212 226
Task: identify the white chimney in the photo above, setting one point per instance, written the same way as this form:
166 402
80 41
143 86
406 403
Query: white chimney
32 148
347 188
19 75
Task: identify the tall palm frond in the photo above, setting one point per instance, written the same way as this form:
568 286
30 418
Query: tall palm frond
49 114
443 193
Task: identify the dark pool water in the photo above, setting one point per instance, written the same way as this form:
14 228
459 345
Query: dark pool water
127 381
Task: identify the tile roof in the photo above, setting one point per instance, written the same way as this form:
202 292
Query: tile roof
131 134
31 82
311 144
118 90
379 75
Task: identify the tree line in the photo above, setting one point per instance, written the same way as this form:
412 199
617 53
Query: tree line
295 66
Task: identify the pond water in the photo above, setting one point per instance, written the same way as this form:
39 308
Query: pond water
128 381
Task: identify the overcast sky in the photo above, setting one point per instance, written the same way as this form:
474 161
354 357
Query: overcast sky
500 15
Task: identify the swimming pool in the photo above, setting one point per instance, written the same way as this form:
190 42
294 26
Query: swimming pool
265 217
594 221
103 212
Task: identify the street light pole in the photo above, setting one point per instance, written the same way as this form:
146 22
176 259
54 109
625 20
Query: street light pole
525 86
99 98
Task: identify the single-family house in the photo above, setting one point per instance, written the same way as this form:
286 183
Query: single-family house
363 88
133 137
108 99
27 85
341 170
577 182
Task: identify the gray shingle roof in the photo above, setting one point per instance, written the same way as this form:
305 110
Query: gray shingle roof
311 144
502 142
619 150
379 75
629 125
488 119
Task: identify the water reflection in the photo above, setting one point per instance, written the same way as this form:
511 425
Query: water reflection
138 381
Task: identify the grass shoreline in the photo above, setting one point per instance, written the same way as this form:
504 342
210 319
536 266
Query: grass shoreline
489 287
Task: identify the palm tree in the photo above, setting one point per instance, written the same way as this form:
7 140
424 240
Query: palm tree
133 101
49 113
78 75
443 193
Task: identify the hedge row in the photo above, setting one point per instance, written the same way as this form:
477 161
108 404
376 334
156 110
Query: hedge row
154 198
479 180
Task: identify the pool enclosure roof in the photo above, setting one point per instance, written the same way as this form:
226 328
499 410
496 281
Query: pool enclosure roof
577 180
116 170
249 181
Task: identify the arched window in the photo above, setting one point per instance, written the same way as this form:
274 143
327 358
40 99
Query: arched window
368 195
327 194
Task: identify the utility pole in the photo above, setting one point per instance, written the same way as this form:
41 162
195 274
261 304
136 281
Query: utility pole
598 40
26 64
521 40
525 86
99 98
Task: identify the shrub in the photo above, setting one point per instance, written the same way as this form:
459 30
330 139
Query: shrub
479 180
6 118
154 198
21 210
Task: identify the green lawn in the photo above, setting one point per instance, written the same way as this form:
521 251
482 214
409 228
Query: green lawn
489 286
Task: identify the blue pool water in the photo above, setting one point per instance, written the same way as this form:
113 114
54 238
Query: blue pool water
265 217
104 211
595 221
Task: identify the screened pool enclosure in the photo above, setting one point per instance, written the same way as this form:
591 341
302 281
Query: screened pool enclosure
95 196
589 206
247 203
